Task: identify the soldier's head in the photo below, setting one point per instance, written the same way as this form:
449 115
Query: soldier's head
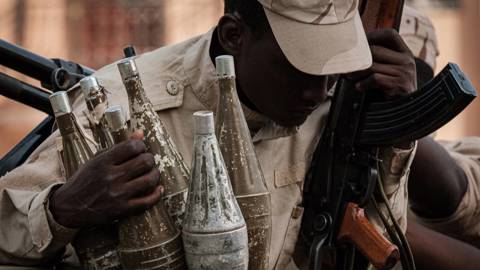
286 50
419 34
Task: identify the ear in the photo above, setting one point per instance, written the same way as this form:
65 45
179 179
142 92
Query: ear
231 33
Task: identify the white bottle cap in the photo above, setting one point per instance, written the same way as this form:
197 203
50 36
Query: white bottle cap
60 103
88 84
203 122
225 66
115 117
127 68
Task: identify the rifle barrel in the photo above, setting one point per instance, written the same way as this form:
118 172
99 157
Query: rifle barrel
23 61
25 93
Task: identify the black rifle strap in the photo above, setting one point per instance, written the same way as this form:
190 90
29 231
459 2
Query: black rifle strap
393 228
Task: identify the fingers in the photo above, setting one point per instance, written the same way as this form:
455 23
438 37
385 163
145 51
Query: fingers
391 86
125 151
393 70
141 204
143 185
388 38
137 166
386 55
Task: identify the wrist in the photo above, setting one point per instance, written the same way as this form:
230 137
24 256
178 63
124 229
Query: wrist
404 145
60 211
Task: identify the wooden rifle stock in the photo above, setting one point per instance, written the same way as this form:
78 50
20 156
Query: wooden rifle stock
378 14
357 230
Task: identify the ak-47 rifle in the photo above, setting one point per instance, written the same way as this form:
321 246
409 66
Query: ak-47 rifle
343 175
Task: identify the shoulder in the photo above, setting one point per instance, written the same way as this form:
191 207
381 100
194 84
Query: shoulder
162 74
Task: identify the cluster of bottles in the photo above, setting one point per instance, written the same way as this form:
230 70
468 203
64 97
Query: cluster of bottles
216 217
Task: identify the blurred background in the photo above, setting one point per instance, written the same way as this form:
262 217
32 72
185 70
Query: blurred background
93 33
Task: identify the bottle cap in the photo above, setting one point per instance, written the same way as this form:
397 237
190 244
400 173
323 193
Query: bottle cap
129 51
127 68
225 65
203 122
60 103
89 84
115 118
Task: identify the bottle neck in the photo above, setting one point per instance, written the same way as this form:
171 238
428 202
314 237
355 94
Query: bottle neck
135 90
96 98
120 135
66 124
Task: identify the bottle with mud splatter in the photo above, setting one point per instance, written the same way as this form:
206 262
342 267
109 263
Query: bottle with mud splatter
174 172
76 150
96 246
214 231
96 98
116 123
152 240
243 166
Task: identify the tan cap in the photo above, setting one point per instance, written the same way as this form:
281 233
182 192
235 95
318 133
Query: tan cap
418 32
319 37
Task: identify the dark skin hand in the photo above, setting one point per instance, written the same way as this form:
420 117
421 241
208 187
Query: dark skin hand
268 83
115 183
393 72
433 250
437 183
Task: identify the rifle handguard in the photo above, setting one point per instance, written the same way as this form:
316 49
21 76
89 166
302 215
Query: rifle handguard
356 229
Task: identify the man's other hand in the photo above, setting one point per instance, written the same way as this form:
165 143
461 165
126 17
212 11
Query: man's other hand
115 183
393 71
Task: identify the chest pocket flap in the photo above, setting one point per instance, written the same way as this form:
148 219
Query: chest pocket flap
290 175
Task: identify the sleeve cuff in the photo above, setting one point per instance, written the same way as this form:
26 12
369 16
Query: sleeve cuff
463 223
395 166
45 230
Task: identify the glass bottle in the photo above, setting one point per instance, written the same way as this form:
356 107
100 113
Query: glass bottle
95 246
76 150
214 231
117 125
242 164
152 240
174 173
96 98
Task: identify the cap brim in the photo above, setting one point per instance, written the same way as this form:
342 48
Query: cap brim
322 49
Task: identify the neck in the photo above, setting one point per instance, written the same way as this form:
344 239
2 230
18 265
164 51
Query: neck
216 49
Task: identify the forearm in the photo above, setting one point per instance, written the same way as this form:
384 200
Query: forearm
437 184
433 250
28 236
393 172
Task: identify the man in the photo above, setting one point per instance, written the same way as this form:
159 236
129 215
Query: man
449 203
286 53
440 197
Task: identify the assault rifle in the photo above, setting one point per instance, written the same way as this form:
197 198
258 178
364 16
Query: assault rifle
343 176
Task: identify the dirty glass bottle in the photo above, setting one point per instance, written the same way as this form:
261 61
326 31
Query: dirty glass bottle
242 164
76 150
174 172
152 240
116 123
214 231
96 98
95 246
